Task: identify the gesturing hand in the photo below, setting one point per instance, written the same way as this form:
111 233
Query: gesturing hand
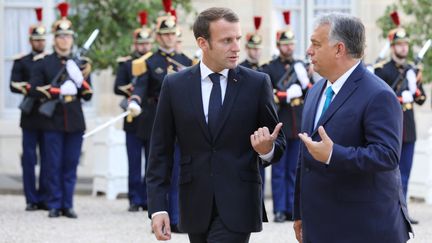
161 226
319 150
298 230
262 140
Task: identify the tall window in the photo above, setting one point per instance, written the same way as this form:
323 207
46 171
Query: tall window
303 13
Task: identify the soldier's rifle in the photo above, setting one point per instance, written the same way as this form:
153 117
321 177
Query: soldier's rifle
47 108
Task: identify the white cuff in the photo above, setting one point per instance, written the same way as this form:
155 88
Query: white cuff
268 156
329 158
157 213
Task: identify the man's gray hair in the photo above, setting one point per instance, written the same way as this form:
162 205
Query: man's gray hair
346 29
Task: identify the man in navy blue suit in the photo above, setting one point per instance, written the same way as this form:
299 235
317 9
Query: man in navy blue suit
348 186
225 123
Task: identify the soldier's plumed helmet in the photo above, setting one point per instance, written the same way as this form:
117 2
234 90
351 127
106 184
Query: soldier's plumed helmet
63 26
38 31
143 34
285 36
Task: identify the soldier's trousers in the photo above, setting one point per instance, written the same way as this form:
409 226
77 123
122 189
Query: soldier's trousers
173 197
31 140
283 178
62 157
405 164
137 191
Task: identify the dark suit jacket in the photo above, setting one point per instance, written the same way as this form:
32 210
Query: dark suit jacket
358 196
224 169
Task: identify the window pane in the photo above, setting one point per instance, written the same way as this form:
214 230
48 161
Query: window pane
286 3
333 2
18 21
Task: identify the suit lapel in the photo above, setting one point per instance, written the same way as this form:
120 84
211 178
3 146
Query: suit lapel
233 86
195 94
347 89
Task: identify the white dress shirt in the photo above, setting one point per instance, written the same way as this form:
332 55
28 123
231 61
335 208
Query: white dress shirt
336 87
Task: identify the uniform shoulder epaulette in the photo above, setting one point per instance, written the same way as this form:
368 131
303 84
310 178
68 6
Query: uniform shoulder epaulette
39 56
139 66
380 64
18 56
123 59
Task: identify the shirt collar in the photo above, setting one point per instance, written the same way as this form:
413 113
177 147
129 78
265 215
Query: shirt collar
169 52
206 71
337 85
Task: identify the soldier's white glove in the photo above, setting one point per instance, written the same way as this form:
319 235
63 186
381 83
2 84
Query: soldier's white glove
134 108
412 81
407 96
68 88
294 91
74 72
302 75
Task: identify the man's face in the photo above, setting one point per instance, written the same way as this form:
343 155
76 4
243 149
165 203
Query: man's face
321 51
253 53
38 45
221 51
63 42
286 50
143 48
166 41
401 49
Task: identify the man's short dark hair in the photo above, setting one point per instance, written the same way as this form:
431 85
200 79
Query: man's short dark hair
201 27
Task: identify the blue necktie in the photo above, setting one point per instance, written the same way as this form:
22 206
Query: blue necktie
215 103
329 95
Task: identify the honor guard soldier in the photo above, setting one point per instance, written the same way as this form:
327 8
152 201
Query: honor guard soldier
59 80
290 81
405 80
152 72
124 85
32 123
253 46
253 51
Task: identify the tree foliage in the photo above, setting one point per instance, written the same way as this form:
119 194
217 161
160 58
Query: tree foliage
116 20
415 17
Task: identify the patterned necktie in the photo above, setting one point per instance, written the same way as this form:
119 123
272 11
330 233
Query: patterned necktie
329 96
215 103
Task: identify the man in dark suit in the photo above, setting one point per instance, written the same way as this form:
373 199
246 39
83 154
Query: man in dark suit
221 115
348 186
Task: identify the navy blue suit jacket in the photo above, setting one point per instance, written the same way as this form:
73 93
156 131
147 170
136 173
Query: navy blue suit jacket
358 196
222 169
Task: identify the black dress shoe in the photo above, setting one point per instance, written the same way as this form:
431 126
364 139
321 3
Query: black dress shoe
413 221
175 229
279 217
133 208
42 206
54 213
31 207
289 217
70 213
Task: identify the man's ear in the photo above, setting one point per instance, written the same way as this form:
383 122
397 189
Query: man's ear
340 48
202 43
